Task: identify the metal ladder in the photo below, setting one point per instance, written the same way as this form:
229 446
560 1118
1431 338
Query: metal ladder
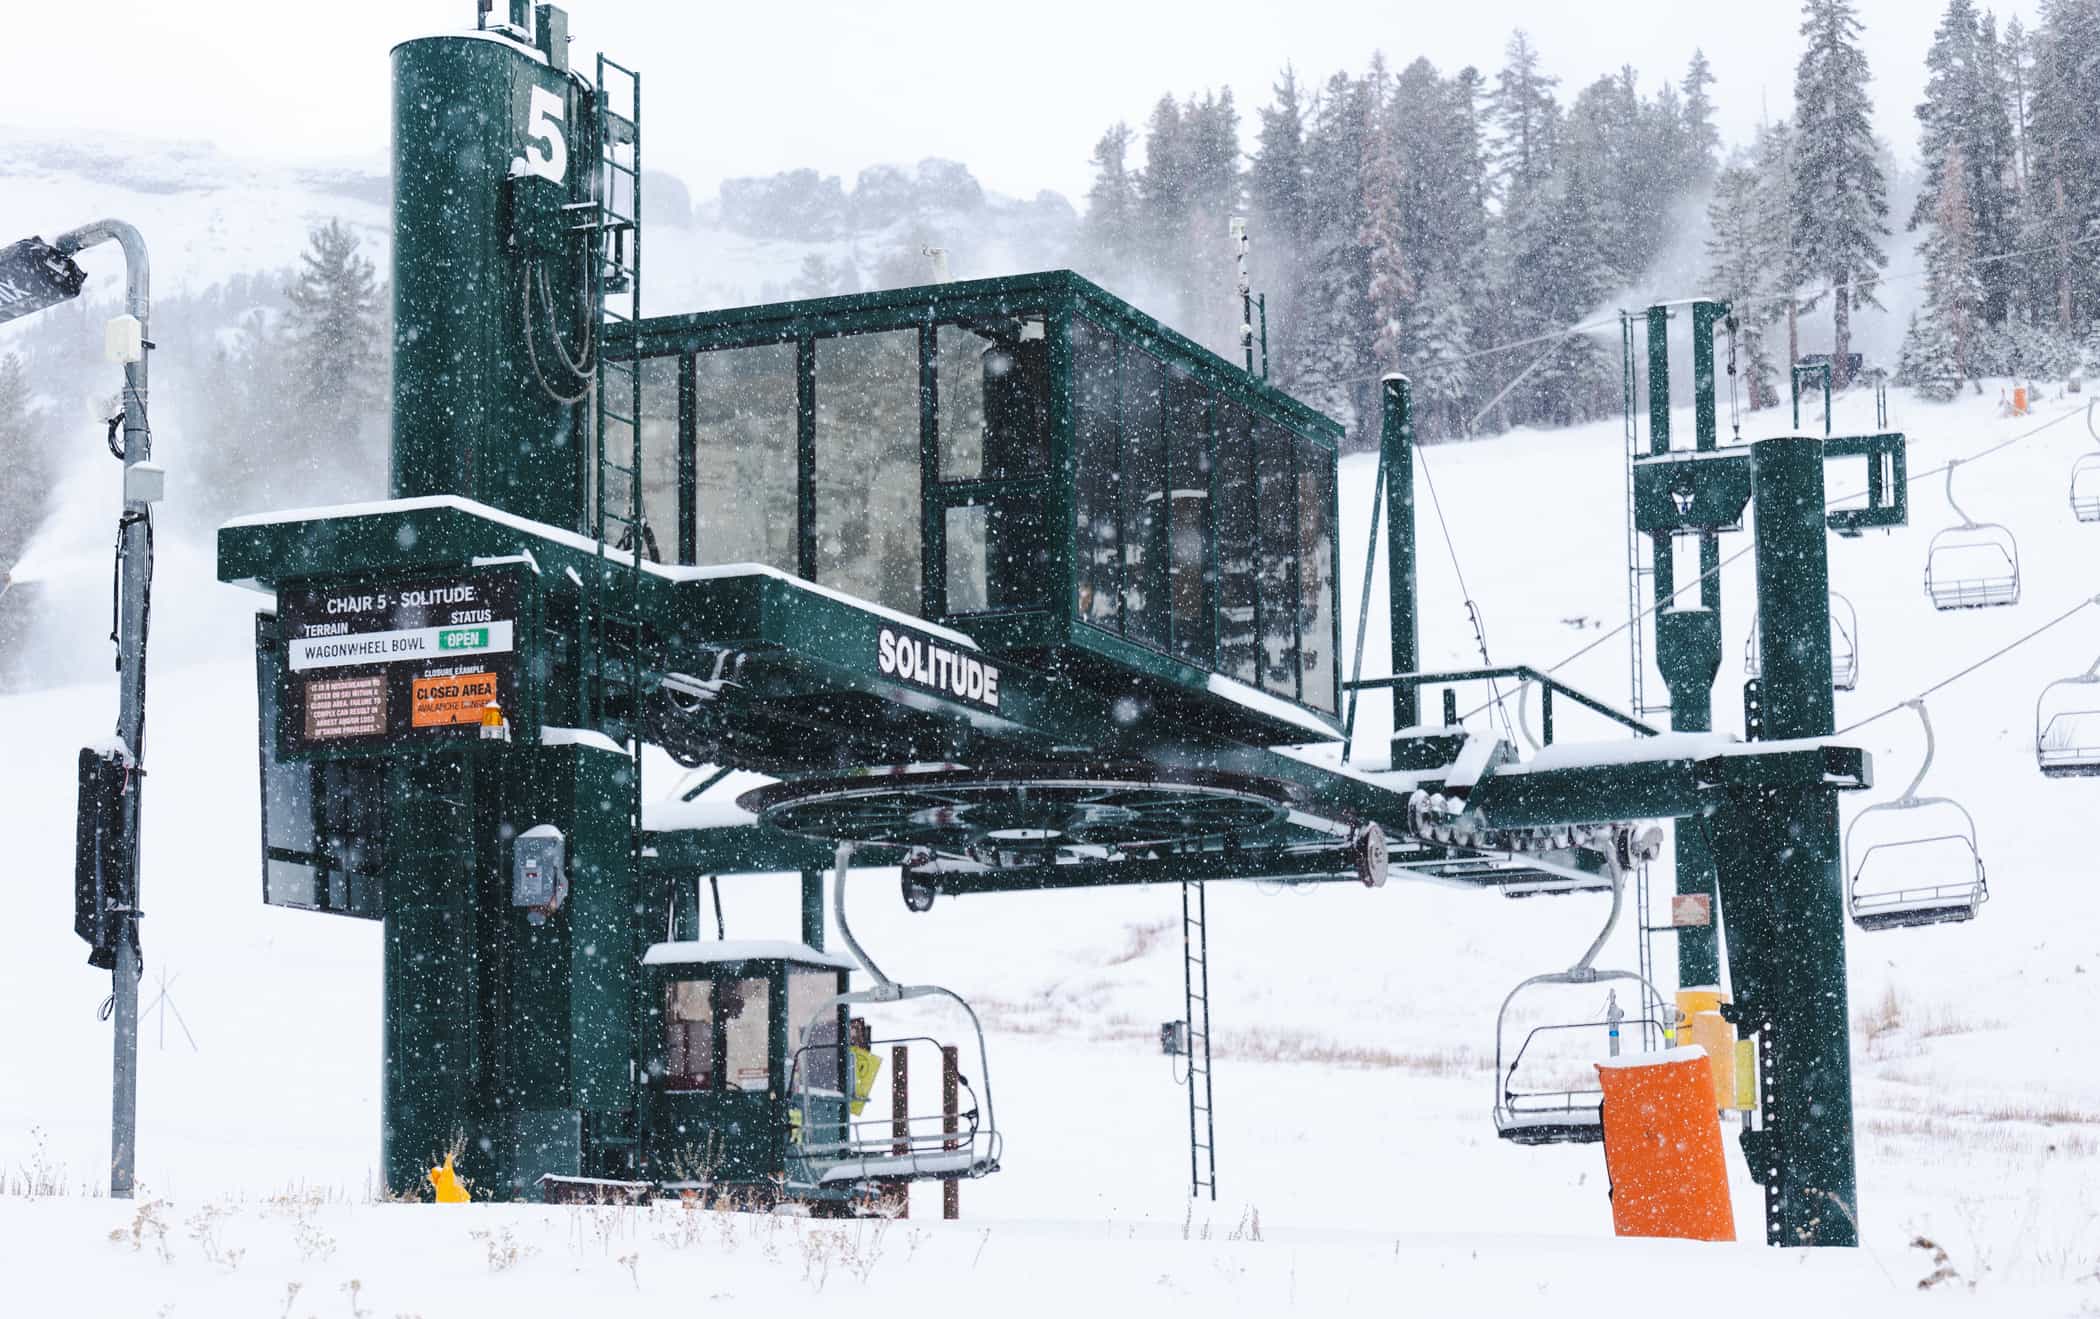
613 618
1640 570
1195 985
617 450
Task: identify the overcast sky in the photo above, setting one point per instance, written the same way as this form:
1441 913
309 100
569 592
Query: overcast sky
1017 91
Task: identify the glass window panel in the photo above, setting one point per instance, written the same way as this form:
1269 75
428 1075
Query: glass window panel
1236 545
998 554
291 883
1144 489
1316 575
1097 543
994 408
807 993
744 423
1278 530
747 1028
689 1035
1191 572
868 467
659 456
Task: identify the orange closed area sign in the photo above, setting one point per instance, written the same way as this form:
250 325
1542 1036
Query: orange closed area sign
455 698
1662 1147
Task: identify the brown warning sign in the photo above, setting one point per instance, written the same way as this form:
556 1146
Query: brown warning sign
346 707
454 698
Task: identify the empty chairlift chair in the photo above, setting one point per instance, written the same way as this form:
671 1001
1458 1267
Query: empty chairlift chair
2067 725
1844 646
1914 860
1548 1107
1974 565
2085 475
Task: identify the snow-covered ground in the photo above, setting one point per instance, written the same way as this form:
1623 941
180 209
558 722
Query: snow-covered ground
1354 1027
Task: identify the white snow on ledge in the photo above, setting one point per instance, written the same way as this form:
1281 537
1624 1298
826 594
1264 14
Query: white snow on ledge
584 544
661 817
1683 1053
1275 707
702 952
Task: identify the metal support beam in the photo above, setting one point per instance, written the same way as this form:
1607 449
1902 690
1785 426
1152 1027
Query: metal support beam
1781 881
1396 438
813 908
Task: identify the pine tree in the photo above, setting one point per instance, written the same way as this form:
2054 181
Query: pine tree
1702 137
1964 113
1111 230
26 487
1926 363
1392 288
335 352
1526 119
1742 269
2064 157
1840 195
1276 184
1955 296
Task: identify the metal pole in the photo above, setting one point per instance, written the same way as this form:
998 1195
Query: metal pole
900 1118
1396 438
813 908
135 536
1778 853
951 1189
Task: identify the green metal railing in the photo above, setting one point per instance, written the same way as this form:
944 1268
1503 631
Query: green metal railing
1549 687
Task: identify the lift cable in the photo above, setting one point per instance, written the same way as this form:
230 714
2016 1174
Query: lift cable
1953 678
1909 479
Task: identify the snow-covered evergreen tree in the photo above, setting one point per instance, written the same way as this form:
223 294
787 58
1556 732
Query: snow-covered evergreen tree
1111 226
1926 363
1840 197
1964 114
1701 135
1955 295
1392 288
1743 269
332 338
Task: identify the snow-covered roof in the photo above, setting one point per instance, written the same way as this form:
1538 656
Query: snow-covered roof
699 952
562 536
508 43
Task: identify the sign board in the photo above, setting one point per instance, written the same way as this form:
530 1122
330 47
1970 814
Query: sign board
35 275
1691 909
402 662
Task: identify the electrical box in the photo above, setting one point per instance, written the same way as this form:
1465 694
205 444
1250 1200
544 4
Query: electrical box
101 879
124 340
1174 1039
145 483
538 877
538 222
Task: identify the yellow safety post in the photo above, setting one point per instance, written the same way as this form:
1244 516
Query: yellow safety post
450 1187
1745 1076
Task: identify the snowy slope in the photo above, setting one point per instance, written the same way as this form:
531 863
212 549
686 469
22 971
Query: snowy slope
1354 1026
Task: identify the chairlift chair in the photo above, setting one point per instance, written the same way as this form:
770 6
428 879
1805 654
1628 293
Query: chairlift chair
1884 906
832 1150
1973 565
1844 646
1564 1116
2067 725
2085 475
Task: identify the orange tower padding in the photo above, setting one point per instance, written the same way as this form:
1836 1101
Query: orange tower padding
1662 1147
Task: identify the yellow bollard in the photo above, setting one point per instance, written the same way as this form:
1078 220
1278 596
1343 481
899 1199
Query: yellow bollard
450 1187
1717 1037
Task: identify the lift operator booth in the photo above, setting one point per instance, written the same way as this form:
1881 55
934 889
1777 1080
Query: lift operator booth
1001 582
